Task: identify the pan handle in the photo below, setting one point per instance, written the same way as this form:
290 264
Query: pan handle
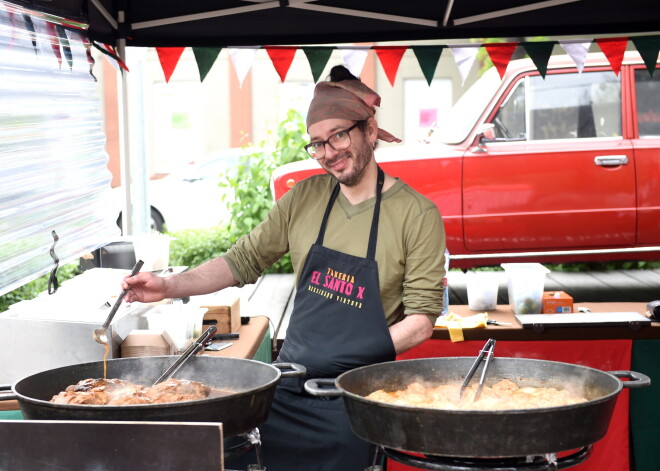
637 380
7 397
291 370
322 387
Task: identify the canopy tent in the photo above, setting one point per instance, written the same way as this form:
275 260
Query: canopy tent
279 22
213 23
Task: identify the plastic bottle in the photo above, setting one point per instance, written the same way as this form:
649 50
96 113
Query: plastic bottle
445 286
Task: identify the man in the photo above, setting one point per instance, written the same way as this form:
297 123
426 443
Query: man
368 252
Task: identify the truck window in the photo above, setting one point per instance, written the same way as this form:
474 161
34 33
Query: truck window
647 89
562 106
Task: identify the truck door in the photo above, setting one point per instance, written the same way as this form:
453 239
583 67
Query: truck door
559 173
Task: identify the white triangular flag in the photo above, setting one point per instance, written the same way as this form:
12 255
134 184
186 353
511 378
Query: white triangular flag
242 58
354 58
578 52
464 58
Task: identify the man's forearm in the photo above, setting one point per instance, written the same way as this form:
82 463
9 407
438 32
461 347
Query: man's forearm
209 277
410 332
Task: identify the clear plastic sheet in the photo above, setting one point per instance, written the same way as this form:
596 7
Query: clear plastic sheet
53 164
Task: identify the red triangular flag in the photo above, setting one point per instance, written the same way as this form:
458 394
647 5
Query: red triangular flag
390 58
282 58
500 54
169 58
613 48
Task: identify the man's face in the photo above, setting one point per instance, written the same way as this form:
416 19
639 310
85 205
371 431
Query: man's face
348 165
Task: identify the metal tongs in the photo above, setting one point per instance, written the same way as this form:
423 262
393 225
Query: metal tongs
195 347
99 334
487 351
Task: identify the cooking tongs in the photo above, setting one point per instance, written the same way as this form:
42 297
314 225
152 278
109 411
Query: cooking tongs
487 351
99 334
194 348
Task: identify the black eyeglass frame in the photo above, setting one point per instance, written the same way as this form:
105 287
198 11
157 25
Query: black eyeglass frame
327 141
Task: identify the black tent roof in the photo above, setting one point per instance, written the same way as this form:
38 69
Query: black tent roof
268 22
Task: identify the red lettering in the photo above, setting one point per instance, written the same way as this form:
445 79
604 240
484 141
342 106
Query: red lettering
316 276
360 294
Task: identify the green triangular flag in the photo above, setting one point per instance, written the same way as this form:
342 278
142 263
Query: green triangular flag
318 57
205 58
539 52
428 57
648 47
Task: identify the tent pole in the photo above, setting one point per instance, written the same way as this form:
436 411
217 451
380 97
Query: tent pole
127 210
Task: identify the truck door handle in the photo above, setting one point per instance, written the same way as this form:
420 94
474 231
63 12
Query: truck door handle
610 160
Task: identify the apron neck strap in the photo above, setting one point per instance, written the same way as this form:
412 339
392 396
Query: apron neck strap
373 234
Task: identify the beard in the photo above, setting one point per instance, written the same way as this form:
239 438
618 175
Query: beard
360 157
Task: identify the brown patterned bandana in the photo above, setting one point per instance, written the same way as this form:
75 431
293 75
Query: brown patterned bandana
347 99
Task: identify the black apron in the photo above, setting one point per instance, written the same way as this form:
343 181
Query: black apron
337 324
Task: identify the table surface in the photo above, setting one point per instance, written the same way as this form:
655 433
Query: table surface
515 331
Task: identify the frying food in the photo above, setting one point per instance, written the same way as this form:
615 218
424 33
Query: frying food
120 393
503 395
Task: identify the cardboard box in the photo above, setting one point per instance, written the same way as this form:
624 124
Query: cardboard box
225 315
555 302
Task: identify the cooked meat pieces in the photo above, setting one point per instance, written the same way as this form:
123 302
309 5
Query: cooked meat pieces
119 392
503 395
174 390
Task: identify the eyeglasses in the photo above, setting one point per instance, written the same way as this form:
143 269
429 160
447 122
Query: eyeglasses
338 141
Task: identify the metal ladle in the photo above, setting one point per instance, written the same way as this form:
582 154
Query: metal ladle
100 334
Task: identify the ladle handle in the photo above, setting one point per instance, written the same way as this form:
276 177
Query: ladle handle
113 311
194 347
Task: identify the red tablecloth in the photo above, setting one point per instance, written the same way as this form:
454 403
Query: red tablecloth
609 454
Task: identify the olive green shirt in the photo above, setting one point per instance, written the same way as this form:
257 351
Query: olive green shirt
409 251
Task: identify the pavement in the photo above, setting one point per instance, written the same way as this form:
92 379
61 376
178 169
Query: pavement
591 286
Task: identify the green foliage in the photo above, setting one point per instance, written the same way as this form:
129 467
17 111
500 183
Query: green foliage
250 197
33 288
193 247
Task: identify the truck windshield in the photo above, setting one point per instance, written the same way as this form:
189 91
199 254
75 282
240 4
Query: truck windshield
454 126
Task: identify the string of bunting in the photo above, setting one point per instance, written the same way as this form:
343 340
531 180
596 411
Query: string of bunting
427 56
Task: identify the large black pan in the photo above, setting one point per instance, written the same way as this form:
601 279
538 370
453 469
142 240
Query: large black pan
464 433
253 382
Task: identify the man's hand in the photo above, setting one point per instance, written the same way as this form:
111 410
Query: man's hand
145 287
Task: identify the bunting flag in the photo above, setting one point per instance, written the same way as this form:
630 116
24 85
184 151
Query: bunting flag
354 59
54 43
464 58
540 53
648 47
282 57
577 51
205 58
614 49
428 58
318 58
500 54
112 56
390 59
169 58
242 58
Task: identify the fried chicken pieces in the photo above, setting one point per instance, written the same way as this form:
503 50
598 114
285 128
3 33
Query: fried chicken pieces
503 395
120 393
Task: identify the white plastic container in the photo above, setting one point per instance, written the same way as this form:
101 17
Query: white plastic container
153 249
182 322
526 282
482 290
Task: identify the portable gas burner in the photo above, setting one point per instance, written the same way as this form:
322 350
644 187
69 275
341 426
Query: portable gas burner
242 444
548 462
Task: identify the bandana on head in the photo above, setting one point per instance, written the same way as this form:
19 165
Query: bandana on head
347 99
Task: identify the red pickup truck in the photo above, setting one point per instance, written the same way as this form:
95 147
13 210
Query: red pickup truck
553 170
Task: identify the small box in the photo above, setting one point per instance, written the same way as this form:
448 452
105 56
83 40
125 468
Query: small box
224 314
557 302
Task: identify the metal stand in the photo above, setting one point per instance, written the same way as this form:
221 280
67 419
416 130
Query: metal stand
524 463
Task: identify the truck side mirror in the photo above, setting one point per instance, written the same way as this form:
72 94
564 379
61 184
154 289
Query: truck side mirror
485 133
